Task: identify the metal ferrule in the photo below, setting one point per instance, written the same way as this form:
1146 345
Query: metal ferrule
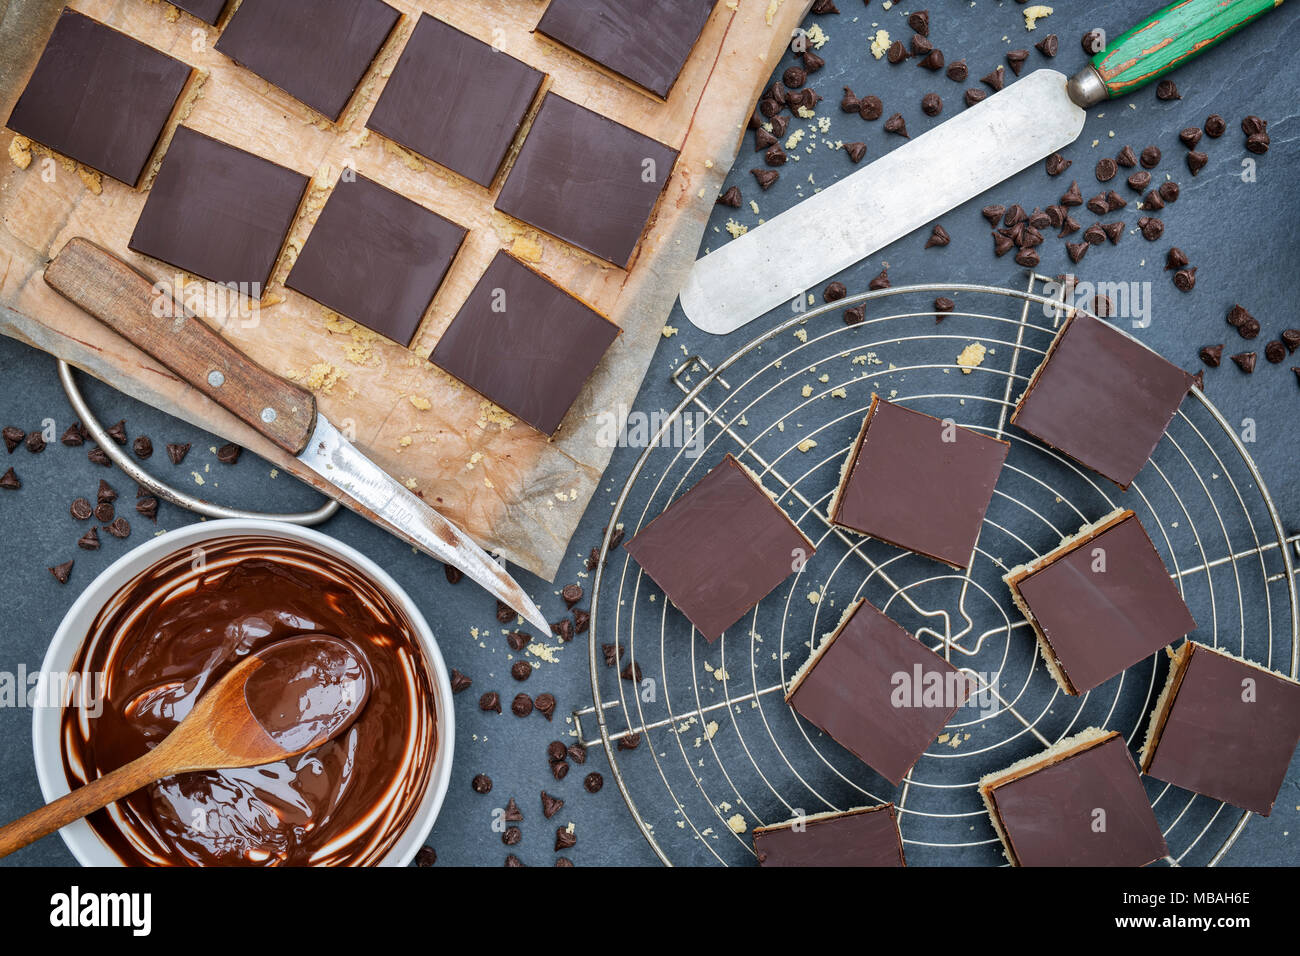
1086 88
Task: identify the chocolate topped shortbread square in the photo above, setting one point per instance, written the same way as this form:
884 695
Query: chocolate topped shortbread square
867 836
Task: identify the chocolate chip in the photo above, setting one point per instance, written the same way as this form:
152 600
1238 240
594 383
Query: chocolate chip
1257 143
811 61
490 701
1185 279
1190 136
1215 126
1114 201
931 104
1039 219
612 653
1076 250
1016 60
1253 125
559 770
780 124
563 629
756 119
521 670
919 22
104 511
1048 45
958 71
81 509
855 316
97 456
581 621
545 704
555 752
1196 161
119 527
1198 380
871 108
228 454
513 862
1094 41
105 492
629 742
1055 215
824 6
72 437
1027 258
881 281
427 856
1175 258
505 613
1166 90
550 805
142 446
35 442
1113 231
459 681
920 45
117 432
10 481
1169 191
577 753
1093 235
856 151
632 671
1275 352
62 571
775 156
1291 339
765 178
1152 200
522 705
518 640
1106 169
1245 361
850 103
1057 164
1126 158
1068 226
571 593
834 291
938 237
1151 228
769 107
896 53
794 77
993 214
1072 196
1150 157
565 839
1098 205
1016 213
973 96
1237 315
933 61
730 198
593 782
994 80
1249 328
177 453
943 305
1139 181
778 94
593 559
452 573
1002 244
895 124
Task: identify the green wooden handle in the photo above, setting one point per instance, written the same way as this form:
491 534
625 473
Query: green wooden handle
1168 39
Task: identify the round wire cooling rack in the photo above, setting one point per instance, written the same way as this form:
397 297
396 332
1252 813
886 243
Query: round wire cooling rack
718 750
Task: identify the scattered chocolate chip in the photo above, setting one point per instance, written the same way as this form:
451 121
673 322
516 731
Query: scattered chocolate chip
563 629
481 783
593 782
775 156
958 71
1152 200
1249 328
1048 45
490 701
1215 126
1002 244
522 705
1185 279
921 45
62 571
571 593
1114 201
1196 161
794 77
1245 361
763 140
81 509
881 281
550 805
834 291
505 613
1093 235
35 442
871 108
427 856
545 704
517 640
629 742
577 753
769 107
850 103
521 670
896 124
1139 181
1016 60
1057 164
228 454
581 621
632 671
731 198
765 178
1151 228
778 94
97 456
896 53
938 237
1169 191
559 770
177 453
1275 352
1027 257
931 104
1257 143
452 573
1175 258
993 214
1113 231
1253 125
565 839
459 681
1016 213
820 7
119 527
994 80
105 492
1039 219
512 812
1198 379
1150 157
855 316
1098 205
1072 196
1094 41
593 559
919 22
942 306
1190 136
104 511
612 653
10 481
1055 215
1076 250
973 96
142 446
756 119
513 862
1237 315
811 61
511 836
117 432
1106 169
856 151
1291 339
1167 90
1126 158
933 61
72 437
1069 225
780 124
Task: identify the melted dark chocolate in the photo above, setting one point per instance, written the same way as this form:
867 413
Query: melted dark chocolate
177 629
307 690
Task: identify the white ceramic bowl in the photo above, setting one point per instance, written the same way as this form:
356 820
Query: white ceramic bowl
81 839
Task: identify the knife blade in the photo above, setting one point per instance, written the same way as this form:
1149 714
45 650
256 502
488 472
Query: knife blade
779 261
151 318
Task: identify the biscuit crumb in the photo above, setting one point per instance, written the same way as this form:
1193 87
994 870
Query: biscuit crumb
1034 14
971 357
20 151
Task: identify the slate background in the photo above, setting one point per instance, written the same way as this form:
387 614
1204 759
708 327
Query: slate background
1242 235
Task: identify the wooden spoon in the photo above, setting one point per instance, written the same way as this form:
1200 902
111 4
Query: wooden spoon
286 699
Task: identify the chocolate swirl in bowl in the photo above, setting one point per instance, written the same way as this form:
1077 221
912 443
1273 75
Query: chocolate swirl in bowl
174 631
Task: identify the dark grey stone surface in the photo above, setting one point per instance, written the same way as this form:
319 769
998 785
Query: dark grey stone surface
1242 235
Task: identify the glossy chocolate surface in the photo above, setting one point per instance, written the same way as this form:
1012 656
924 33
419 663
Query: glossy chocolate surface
218 212
866 837
524 343
1100 622
1053 816
879 692
919 483
209 11
307 689
720 548
1102 398
100 97
481 96
1230 733
647 42
587 180
317 51
376 257
177 629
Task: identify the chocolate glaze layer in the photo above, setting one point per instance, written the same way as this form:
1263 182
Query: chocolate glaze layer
317 51
307 689
174 631
647 42
100 97
209 11
1102 398
866 837
1225 740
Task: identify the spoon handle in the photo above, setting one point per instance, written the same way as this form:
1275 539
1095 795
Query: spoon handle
95 795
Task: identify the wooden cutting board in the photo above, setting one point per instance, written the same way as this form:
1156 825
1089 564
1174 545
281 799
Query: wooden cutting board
513 490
